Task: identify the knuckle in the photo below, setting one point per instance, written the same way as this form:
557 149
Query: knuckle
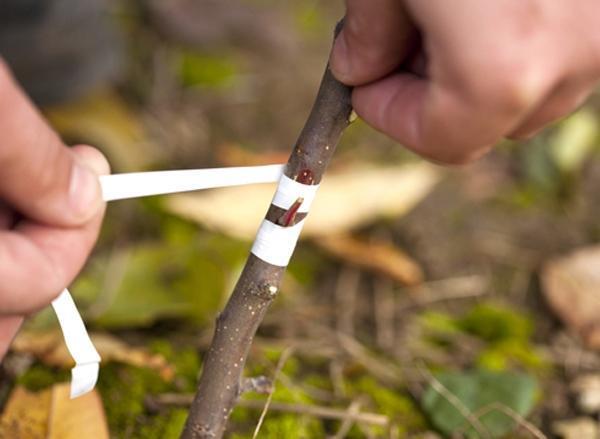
507 85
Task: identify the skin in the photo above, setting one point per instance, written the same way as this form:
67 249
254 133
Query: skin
446 79
450 79
50 208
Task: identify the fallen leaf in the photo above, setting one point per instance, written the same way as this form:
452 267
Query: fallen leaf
478 390
346 200
52 414
82 417
571 285
49 347
578 428
25 415
379 257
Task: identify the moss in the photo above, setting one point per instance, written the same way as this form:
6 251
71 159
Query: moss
186 363
167 425
511 353
123 389
495 323
39 377
399 407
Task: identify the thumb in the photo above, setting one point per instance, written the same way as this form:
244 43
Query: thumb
39 176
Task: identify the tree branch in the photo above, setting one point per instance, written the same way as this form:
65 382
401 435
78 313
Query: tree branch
259 282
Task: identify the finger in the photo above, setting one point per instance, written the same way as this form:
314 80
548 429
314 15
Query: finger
376 38
6 216
563 101
38 261
437 120
9 325
40 176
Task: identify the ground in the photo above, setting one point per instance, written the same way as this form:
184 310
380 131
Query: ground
218 84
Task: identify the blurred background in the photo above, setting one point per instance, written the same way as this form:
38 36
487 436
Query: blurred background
422 302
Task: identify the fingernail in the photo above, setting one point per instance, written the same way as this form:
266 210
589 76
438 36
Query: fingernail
84 192
340 62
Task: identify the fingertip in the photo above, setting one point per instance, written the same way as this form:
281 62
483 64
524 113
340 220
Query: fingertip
85 194
92 158
340 62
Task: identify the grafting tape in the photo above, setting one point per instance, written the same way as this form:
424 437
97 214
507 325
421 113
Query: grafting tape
288 191
121 186
275 244
85 373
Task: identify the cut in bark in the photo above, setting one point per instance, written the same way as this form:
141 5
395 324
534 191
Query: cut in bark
221 381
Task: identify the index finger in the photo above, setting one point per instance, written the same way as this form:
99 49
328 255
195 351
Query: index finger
39 176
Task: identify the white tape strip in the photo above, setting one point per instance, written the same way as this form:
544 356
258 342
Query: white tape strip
142 184
85 373
275 244
288 191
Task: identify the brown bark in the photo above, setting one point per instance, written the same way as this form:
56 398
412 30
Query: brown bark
259 282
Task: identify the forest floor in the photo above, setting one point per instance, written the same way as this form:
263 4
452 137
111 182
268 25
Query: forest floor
468 311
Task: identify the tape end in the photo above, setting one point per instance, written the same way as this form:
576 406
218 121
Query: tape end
84 378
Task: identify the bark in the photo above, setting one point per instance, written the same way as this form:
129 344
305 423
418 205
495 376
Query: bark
221 381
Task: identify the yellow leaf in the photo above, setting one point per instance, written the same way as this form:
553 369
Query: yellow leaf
50 348
380 257
82 417
25 415
345 201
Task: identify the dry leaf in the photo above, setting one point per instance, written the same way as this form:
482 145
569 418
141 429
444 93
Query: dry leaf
50 348
51 414
346 200
25 415
380 257
82 417
571 285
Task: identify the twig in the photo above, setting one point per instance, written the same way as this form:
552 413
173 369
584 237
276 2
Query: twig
219 385
385 314
322 412
520 420
353 409
345 294
282 359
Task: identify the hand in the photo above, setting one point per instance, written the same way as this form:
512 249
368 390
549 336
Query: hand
490 69
50 209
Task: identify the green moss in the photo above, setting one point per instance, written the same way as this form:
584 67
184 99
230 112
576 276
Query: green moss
167 425
393 403
291 426
496 323
123 389
186 363
511 353
39 377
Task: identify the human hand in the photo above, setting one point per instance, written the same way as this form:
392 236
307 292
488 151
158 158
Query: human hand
50 209
489 69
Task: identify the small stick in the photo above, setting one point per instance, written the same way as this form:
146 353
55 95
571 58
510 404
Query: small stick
322 412
223 366
284 356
